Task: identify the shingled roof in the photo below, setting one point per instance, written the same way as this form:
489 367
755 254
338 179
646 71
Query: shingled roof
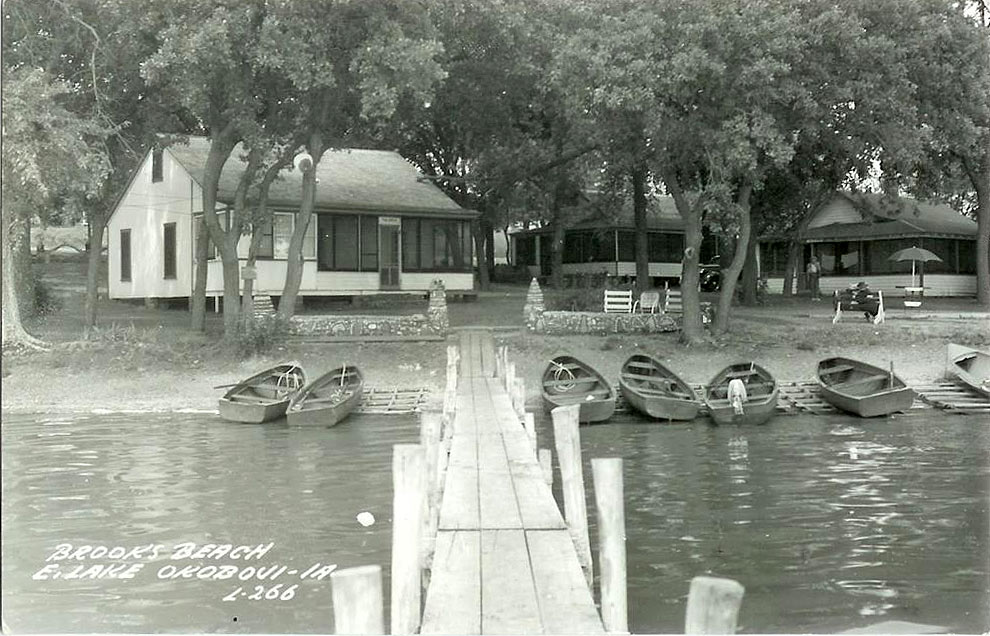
348 179
902 217
661 214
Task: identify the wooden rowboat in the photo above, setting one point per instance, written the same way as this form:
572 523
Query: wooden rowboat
264 396
655 390
862 389
567 381
971 366
760 401
328 399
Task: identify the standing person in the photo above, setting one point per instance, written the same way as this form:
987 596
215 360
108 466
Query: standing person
814 270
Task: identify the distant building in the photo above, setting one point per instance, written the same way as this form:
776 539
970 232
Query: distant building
606 244
853 236
377 227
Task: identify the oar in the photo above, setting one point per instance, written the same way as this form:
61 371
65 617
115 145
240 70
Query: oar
226 386
891 375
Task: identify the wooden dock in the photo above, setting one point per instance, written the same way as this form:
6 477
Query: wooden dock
504 561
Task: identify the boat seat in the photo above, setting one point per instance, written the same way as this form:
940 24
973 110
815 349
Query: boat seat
250 398
639 365
837 369
569 381
741 374
871 378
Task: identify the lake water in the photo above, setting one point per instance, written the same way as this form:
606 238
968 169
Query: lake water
829 522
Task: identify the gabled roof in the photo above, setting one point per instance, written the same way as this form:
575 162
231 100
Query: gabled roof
661 214
348 179
883 217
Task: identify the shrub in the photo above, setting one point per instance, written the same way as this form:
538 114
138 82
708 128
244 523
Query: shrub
256 335
44 301
511 274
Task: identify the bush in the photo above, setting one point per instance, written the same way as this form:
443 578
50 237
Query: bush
256 335
511 274
44 301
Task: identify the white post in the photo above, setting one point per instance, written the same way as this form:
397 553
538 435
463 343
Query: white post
546 464
408 486
529 423
429 438
357 600
713 606
568 443
610 504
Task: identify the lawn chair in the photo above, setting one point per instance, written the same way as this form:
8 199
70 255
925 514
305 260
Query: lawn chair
672 300
648 301
618 301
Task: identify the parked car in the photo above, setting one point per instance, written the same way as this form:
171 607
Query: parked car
709 278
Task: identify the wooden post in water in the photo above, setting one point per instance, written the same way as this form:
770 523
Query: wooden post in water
713 606
568 443
610 504
519 396
529 422
510 377
358 606
408 487
546 464
430 425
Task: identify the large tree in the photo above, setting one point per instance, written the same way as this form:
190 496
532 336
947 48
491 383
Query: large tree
51 156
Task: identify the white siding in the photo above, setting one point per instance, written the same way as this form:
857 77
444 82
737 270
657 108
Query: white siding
271 280
936 285
144 209
838 210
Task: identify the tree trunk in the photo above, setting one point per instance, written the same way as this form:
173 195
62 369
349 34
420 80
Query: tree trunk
638 177
294 266
793 252
14 333
982 185
231 284
557 251
488 264
691 328
97 226
749 275
197 302
478 234
221 146
731 274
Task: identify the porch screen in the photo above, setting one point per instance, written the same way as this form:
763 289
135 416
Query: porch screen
436 245
665 247
346 243
169 250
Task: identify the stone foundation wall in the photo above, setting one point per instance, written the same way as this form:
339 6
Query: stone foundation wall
539 320
434 323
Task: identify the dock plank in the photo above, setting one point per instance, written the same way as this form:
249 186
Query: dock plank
459 509
453 601
537 508
508 596
497 501
566 606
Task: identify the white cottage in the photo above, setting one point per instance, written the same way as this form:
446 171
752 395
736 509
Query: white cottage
378 227
854 234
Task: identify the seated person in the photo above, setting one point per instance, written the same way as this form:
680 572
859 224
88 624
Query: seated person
866 300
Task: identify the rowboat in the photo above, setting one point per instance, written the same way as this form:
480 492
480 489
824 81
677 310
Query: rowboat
861 388
653 389
567 381
328 399
264 396
751 400
971 366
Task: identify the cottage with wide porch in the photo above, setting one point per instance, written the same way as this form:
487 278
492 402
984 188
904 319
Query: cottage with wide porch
854 234
378 227
606 244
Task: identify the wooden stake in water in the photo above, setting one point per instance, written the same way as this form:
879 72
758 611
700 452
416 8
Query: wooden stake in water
713 606
546 465
529 423
610 505
430 430
358 606
568 443
408 487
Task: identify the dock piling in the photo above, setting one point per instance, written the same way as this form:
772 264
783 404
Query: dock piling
610 505
568 442
409 490
529 423
713 605
431 423
357 600
546 465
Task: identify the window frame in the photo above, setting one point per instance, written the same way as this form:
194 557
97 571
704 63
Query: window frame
125 272
169 252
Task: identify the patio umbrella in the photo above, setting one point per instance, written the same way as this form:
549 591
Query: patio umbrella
913 254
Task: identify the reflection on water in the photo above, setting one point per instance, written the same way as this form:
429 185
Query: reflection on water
128 480
829 523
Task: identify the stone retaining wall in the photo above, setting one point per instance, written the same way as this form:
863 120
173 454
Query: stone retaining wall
434 323
539 320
